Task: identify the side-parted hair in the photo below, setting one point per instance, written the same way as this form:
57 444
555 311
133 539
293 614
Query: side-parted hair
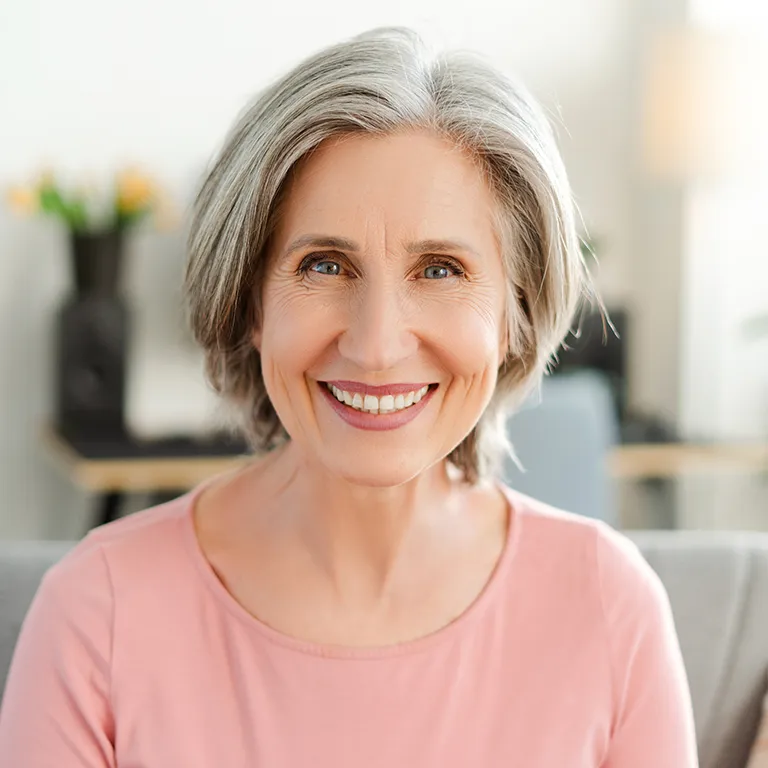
382 82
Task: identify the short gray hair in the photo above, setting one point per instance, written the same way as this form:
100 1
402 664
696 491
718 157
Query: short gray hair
381 82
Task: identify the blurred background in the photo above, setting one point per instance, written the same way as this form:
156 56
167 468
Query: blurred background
659 106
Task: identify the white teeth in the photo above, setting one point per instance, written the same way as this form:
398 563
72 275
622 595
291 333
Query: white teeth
373 404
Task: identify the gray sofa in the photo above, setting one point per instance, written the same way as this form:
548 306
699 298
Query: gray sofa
718 586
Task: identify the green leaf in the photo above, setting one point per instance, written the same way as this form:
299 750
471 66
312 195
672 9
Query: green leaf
51 201
77 215
132 218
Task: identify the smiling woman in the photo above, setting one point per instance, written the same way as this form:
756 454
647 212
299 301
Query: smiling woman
382 261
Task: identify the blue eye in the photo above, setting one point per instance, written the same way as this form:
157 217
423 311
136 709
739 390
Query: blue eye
437 272
442 269
326 267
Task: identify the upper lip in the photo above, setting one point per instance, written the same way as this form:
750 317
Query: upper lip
377 391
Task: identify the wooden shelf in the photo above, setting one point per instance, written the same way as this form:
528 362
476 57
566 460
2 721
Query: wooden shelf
669 460
626 462
135 475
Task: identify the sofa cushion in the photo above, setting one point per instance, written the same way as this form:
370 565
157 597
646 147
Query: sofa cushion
717 582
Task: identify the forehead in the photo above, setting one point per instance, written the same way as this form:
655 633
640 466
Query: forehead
414 182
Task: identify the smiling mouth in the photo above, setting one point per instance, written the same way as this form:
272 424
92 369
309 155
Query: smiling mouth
379 405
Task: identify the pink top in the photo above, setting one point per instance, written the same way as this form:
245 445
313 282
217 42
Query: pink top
134 655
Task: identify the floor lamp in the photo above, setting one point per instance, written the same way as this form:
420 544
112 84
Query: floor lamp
695 113
696 136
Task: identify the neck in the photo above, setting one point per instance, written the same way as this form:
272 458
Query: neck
362 538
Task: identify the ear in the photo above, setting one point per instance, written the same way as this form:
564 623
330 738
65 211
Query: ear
256 338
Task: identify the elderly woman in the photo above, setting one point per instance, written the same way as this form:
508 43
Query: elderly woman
382 262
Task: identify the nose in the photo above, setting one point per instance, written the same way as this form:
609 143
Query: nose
378 335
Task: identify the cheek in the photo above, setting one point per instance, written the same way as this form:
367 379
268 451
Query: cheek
470 336
296 328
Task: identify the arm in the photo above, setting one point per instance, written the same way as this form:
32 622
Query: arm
55 710
653 717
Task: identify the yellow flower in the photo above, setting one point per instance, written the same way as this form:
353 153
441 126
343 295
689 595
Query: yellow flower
134 191
23 200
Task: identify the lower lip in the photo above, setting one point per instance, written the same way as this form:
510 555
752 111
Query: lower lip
376 421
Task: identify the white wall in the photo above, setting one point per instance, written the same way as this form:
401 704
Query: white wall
654 271
90 83
724 384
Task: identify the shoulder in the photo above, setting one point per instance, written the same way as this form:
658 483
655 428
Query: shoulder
113 555
586 551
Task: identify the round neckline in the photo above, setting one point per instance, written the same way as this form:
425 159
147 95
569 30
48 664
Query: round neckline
469 616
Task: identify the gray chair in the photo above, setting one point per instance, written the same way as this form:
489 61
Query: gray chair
562 436
718 587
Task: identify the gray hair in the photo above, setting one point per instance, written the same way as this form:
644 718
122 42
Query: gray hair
381 82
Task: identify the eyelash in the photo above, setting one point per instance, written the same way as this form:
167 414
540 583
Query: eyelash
316 258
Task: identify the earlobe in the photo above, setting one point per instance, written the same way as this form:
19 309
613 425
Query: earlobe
256 338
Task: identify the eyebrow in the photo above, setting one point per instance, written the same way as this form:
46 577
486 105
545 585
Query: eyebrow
344 244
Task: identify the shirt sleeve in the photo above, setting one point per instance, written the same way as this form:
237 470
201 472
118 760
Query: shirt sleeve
652 722
55 709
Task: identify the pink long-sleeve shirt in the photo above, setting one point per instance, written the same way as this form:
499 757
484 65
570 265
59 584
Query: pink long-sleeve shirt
134 655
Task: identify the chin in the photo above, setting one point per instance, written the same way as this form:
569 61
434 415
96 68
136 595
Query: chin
376 472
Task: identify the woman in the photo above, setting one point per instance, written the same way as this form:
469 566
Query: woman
382 262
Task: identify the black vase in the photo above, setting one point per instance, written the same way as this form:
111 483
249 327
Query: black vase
97 260
91 341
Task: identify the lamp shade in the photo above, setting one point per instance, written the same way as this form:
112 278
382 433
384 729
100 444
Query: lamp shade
695 119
